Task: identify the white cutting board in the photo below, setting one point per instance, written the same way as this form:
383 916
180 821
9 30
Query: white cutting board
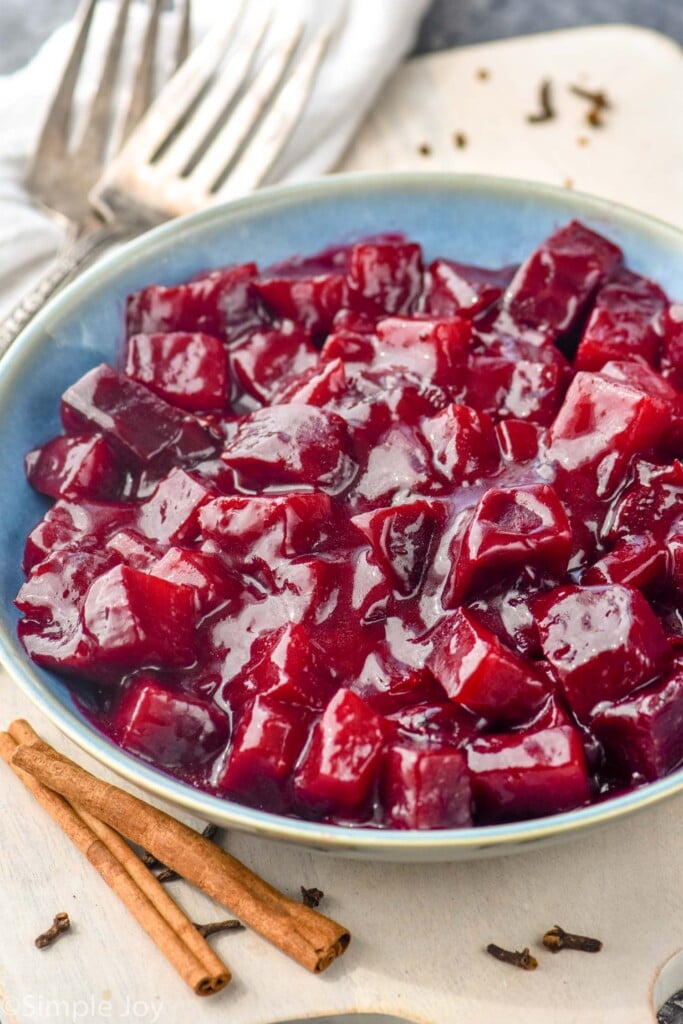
419 931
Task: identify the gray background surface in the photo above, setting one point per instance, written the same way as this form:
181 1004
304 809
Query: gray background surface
448 23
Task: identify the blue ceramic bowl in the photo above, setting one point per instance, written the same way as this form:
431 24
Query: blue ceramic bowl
472 219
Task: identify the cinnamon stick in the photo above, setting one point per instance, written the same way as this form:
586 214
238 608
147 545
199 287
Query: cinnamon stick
204 976
307 936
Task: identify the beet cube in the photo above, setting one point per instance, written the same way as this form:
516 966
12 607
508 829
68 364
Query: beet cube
221 303
171 513
265 746
462 442
384 276
292 669
432 723
388 686
553 286
137 619
511 527
168 728
458 288
309 294
133 549
401 539
187 370
624 322
519 440
70 525
397 468
602 642
291 444
318 385
527 775
263 358
477 670
638 562
74 467
431 350
650 504
426 788
134 420
212 583
672 355
342 759
525 389
643 735
602 424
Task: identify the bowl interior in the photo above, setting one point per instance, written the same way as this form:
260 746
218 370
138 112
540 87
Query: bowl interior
486 221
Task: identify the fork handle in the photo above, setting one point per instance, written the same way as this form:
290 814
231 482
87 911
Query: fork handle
73 257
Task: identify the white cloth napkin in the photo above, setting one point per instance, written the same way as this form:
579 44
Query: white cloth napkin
370 38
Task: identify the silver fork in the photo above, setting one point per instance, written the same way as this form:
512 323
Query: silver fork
63 170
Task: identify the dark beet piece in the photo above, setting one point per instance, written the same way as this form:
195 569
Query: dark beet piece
75 467
426 789
384 276
625 322
187 370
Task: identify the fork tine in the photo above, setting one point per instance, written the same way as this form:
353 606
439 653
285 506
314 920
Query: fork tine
181 91
247 113
143 79
182 45
188 141
273 133
90 148
53 140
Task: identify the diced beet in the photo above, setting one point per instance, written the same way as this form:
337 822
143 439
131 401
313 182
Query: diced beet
602 424
433 724
519 440
426 788
353 346
168 728
397 468
553 286
137 619
187 370
370 591
642 377
638 562
672 354
75 467
458 288
643 735
651 504
624 322
384 276
506 608
291 669
260 361
309 294
523 389
527 775
341 762
221 303
133 549
462 443
71 525
511 527
171 513
602 642
291 444
432 350
388 686
401 539
318 385
206 573
477 670
265 746
54 590
134 420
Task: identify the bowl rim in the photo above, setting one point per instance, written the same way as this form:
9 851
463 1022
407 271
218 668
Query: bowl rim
340 839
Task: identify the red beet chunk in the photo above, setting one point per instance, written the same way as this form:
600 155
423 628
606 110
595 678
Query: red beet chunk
478 671
431 350
507 610
388 686
511 527
519 440
290 444
553 287
310 294
602 424
74 467
85 525
133 549
135 421
266 744
263 358
222 303
318 385
187 370
650 504
519 775
433 724
171 514
397 468
342 759
462 442
602 642
291 669
625 322
401 539
54 589
523 389
638 562
384 276
459 288
206 573
426 789
168 728
672 354
137 619
643 735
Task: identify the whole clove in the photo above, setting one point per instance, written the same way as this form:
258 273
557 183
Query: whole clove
60 924
229 925
546 110
311 897
557 938
460 140
523 959
424 149
599 103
